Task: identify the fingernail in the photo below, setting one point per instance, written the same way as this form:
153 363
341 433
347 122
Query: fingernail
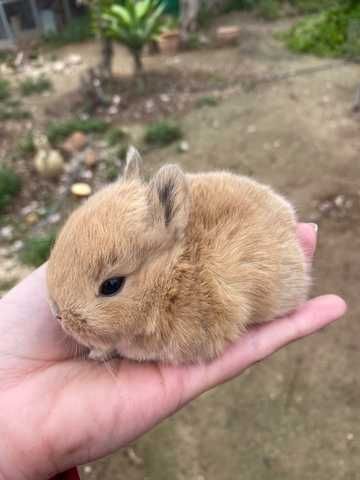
315 226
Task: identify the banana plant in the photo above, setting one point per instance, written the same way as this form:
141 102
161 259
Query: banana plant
135 23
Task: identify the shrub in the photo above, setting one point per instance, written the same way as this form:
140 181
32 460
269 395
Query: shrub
116 136
37 249
26 145
34 86
10 185
59 131
269 9
207 101
325 34
163 133
5 91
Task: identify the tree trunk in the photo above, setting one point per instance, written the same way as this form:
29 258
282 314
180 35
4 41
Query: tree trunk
189 11
138 63
107 55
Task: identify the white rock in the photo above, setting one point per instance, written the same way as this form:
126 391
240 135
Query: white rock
87 469
59 67
7 232
17 246
184 146
165 98
74 59
116 99
54 218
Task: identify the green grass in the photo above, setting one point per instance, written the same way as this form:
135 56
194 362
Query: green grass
77 31
11 113
26 145
116 136
163 133
271 9
207 101
59 131
10 185
35 86
5 91
327 33
37 249
8 284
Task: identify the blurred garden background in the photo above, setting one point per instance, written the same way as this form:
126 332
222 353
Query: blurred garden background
265 88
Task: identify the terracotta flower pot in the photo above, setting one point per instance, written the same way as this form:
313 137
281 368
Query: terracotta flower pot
169 42
227 35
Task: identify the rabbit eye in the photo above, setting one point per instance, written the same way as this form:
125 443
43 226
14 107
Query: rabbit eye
112 286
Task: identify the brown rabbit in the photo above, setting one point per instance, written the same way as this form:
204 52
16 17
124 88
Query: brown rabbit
174 270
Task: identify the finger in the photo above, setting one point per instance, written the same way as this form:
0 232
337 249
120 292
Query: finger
307 234
262 341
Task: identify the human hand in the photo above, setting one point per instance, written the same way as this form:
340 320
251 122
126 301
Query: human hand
57 411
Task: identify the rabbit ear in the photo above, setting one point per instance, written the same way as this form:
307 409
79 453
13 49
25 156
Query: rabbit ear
169 197
133 165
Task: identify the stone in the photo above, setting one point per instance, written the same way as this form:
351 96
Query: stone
17 246
58 67
339 201
86 174
116 100
74 59
75 143
32 218
184 147
54 218
90 158
7 232
81 189
165 98
251 129
113 110
49 163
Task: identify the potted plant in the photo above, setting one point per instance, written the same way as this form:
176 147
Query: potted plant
169 40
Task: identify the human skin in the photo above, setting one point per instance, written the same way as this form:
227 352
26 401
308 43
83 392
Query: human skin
57 410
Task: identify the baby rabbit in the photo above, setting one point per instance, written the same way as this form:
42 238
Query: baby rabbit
176 269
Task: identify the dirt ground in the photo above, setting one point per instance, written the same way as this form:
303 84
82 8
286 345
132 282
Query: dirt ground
295 416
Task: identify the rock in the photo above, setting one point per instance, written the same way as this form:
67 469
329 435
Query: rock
149 106
49 163
81 189
74 59
17 246
116 100
90 158
113 110
339 201
75 143
54 218
59 67
251 129
184 146
165 98
7 232
87 469
86 174
32 218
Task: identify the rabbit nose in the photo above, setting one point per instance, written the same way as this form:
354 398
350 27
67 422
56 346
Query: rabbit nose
58 317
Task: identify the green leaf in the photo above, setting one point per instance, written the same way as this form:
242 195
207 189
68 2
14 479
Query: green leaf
121 13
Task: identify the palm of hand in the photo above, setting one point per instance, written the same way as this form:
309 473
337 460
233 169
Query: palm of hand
57 411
